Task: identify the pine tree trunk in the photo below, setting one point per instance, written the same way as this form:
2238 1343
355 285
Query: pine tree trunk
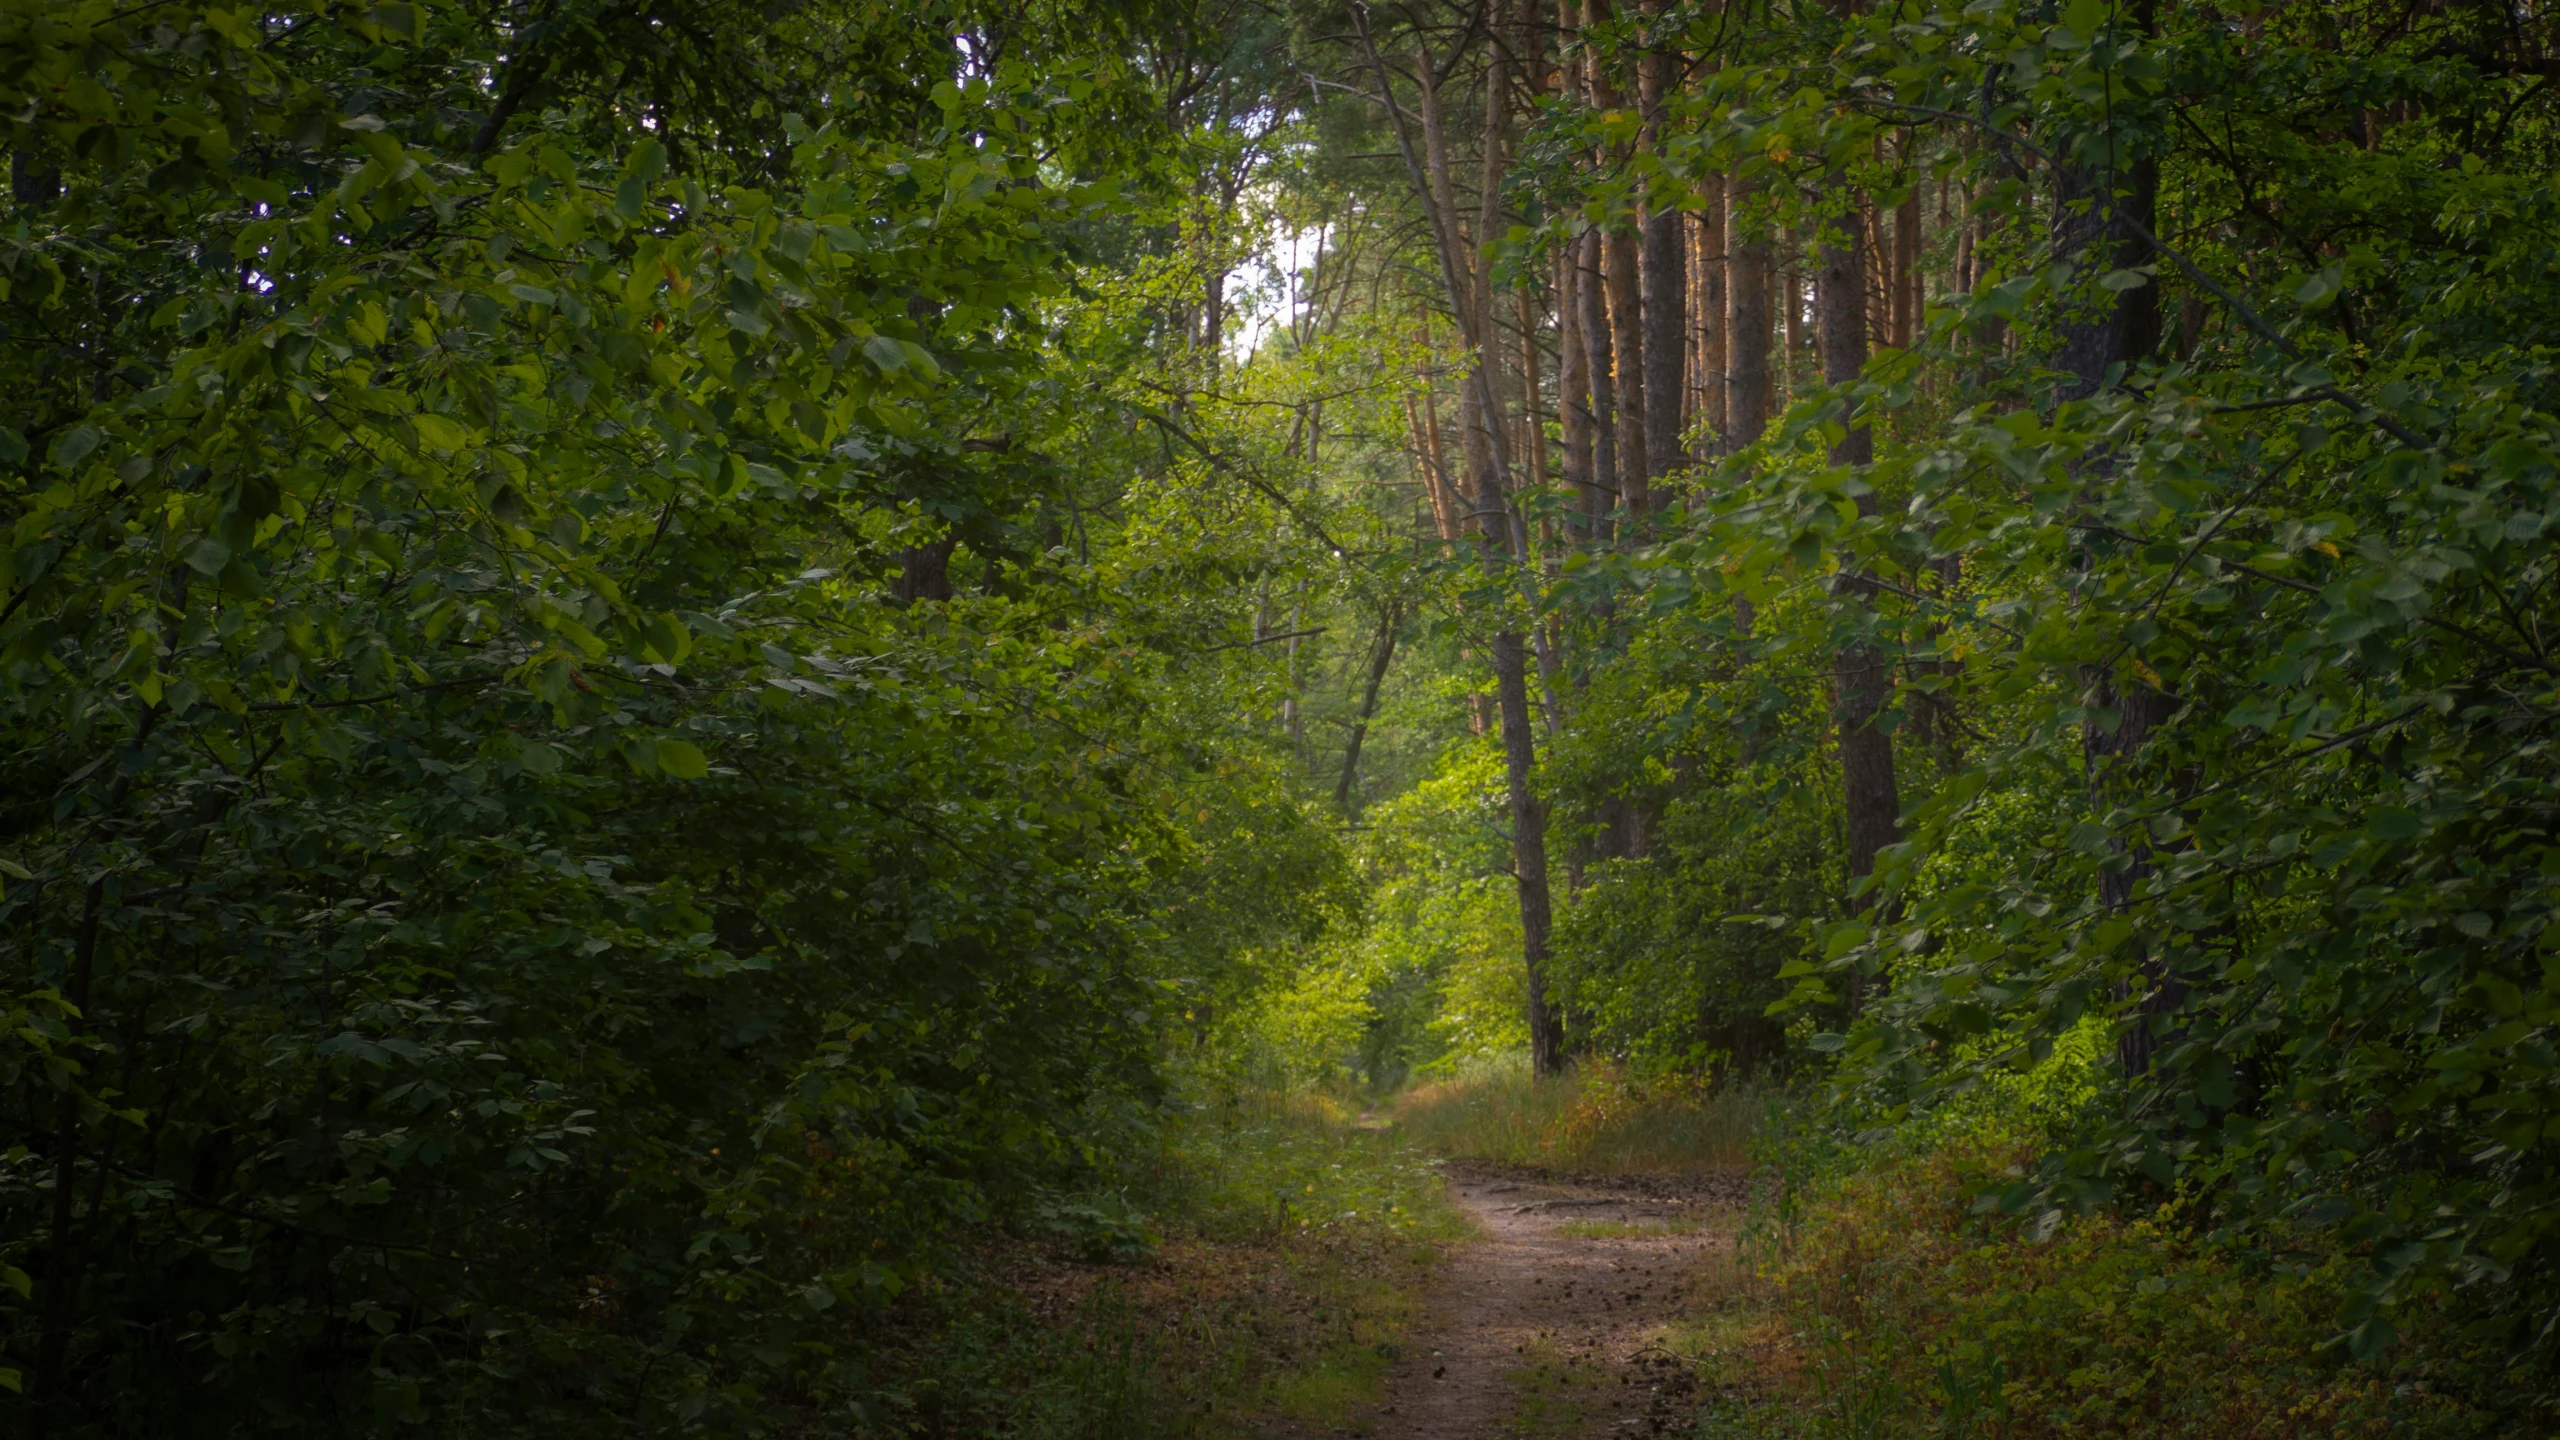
1746 325
1626 343
1862 676
2091 229
1573 396
1503 539
1708 304
1906 263
1597 368
1665 300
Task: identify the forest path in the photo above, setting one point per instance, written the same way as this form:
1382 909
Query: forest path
1554 1321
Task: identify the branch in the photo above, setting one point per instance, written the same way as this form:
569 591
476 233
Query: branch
1265 640
1230 465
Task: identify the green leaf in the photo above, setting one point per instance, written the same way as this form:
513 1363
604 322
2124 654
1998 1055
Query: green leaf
2391 822
682 759
73 446
440 432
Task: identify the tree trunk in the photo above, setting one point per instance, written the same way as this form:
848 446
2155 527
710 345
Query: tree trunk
1435 470
1862 675
924 571
1746 324
1597 368
1503 539
1573 396
1708 304
1381 655
1626 342
1533 427
1664 287
2091 230
1906 262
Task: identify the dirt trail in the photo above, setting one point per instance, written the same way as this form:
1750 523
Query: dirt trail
1552 1323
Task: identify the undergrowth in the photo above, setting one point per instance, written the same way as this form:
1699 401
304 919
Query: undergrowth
1262 1264
1596 1119
1885 1306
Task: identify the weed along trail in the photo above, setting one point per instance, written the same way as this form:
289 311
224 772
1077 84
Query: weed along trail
1565 1315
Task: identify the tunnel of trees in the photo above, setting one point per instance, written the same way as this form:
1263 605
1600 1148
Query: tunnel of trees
659 655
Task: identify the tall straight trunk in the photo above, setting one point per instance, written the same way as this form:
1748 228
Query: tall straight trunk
1965 230
1445 503
1873 253
1610 458
1381 655
1504 541
1664 282
1619 253
1746 324
1708 304
1907 299
1862 675
1789 277
1476 435
1573 394
1598 369
1533 428
2097 226
1293 715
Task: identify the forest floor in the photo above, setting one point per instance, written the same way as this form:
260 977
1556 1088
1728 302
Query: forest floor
1583 1306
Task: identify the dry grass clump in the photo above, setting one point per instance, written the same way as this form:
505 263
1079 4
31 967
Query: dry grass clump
1596 1119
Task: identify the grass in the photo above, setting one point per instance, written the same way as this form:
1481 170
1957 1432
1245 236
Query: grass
1593 1120
1265 1268
1889 1309
1551 1394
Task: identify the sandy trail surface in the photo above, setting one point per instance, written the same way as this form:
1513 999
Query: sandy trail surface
1554 1322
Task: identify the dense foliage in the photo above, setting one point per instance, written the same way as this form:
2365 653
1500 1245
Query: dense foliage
590 778
661 664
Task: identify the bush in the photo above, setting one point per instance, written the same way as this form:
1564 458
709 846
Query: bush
1909 1311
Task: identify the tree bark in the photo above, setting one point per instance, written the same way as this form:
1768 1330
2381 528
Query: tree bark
1862 675
2091 228
1709 306
1746 324
1573 396
1664 286
924 571
1425 418
1906 261
1533 428
2095 229
1381 655
1626 342
1597 368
